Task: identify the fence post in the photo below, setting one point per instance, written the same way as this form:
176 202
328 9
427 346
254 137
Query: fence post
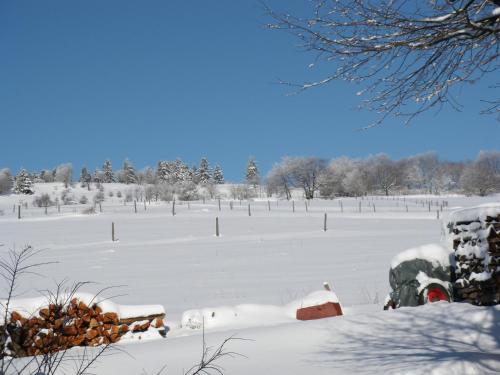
173 207
219 205
19 211
307 210
293 206
324 223
135 206
249 210
359 206
217 227
268 205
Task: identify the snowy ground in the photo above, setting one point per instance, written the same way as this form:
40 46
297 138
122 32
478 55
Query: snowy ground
270 258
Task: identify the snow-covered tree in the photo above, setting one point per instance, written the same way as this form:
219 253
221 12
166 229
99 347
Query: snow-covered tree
64 173
46 175
218 175
279 179
203 172
23 184
108 172
99 177
85 177
181 171
129 176
146 176
385 174
6 181
483 176
193 174
252 175
187 191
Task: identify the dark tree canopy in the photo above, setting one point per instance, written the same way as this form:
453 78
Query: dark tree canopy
407 54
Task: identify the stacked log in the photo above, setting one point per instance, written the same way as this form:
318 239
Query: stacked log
477 255
60 327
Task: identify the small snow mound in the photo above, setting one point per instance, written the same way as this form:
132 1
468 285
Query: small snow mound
434 253
250 315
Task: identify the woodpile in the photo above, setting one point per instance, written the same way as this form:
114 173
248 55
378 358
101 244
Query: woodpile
60 327
476 242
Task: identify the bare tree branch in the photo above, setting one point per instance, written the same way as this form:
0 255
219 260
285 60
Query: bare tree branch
407 54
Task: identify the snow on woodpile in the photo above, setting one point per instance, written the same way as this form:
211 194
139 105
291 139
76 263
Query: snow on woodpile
38 326
474 235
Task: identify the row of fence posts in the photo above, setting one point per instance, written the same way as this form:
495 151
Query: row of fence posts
217 229
417 202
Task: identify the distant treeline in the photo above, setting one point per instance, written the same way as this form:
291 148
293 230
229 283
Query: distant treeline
378 174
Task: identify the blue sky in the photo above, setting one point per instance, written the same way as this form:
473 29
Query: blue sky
89 80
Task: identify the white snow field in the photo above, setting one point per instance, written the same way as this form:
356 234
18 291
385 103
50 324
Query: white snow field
248 281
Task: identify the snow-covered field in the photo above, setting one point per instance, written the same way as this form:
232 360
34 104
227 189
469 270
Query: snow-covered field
250 274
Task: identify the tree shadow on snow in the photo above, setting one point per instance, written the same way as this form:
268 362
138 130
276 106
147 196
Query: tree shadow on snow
450 338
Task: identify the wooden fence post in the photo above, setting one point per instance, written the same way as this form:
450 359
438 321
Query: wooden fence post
217 227
324 222
173 207
19 211
249 210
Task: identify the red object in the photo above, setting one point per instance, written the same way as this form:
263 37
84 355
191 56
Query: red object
326 310
435 295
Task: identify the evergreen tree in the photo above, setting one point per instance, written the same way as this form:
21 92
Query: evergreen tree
129 172
85 177
108 172
181 171
193 174
23 183
203 172
161 171
218 175
252 174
